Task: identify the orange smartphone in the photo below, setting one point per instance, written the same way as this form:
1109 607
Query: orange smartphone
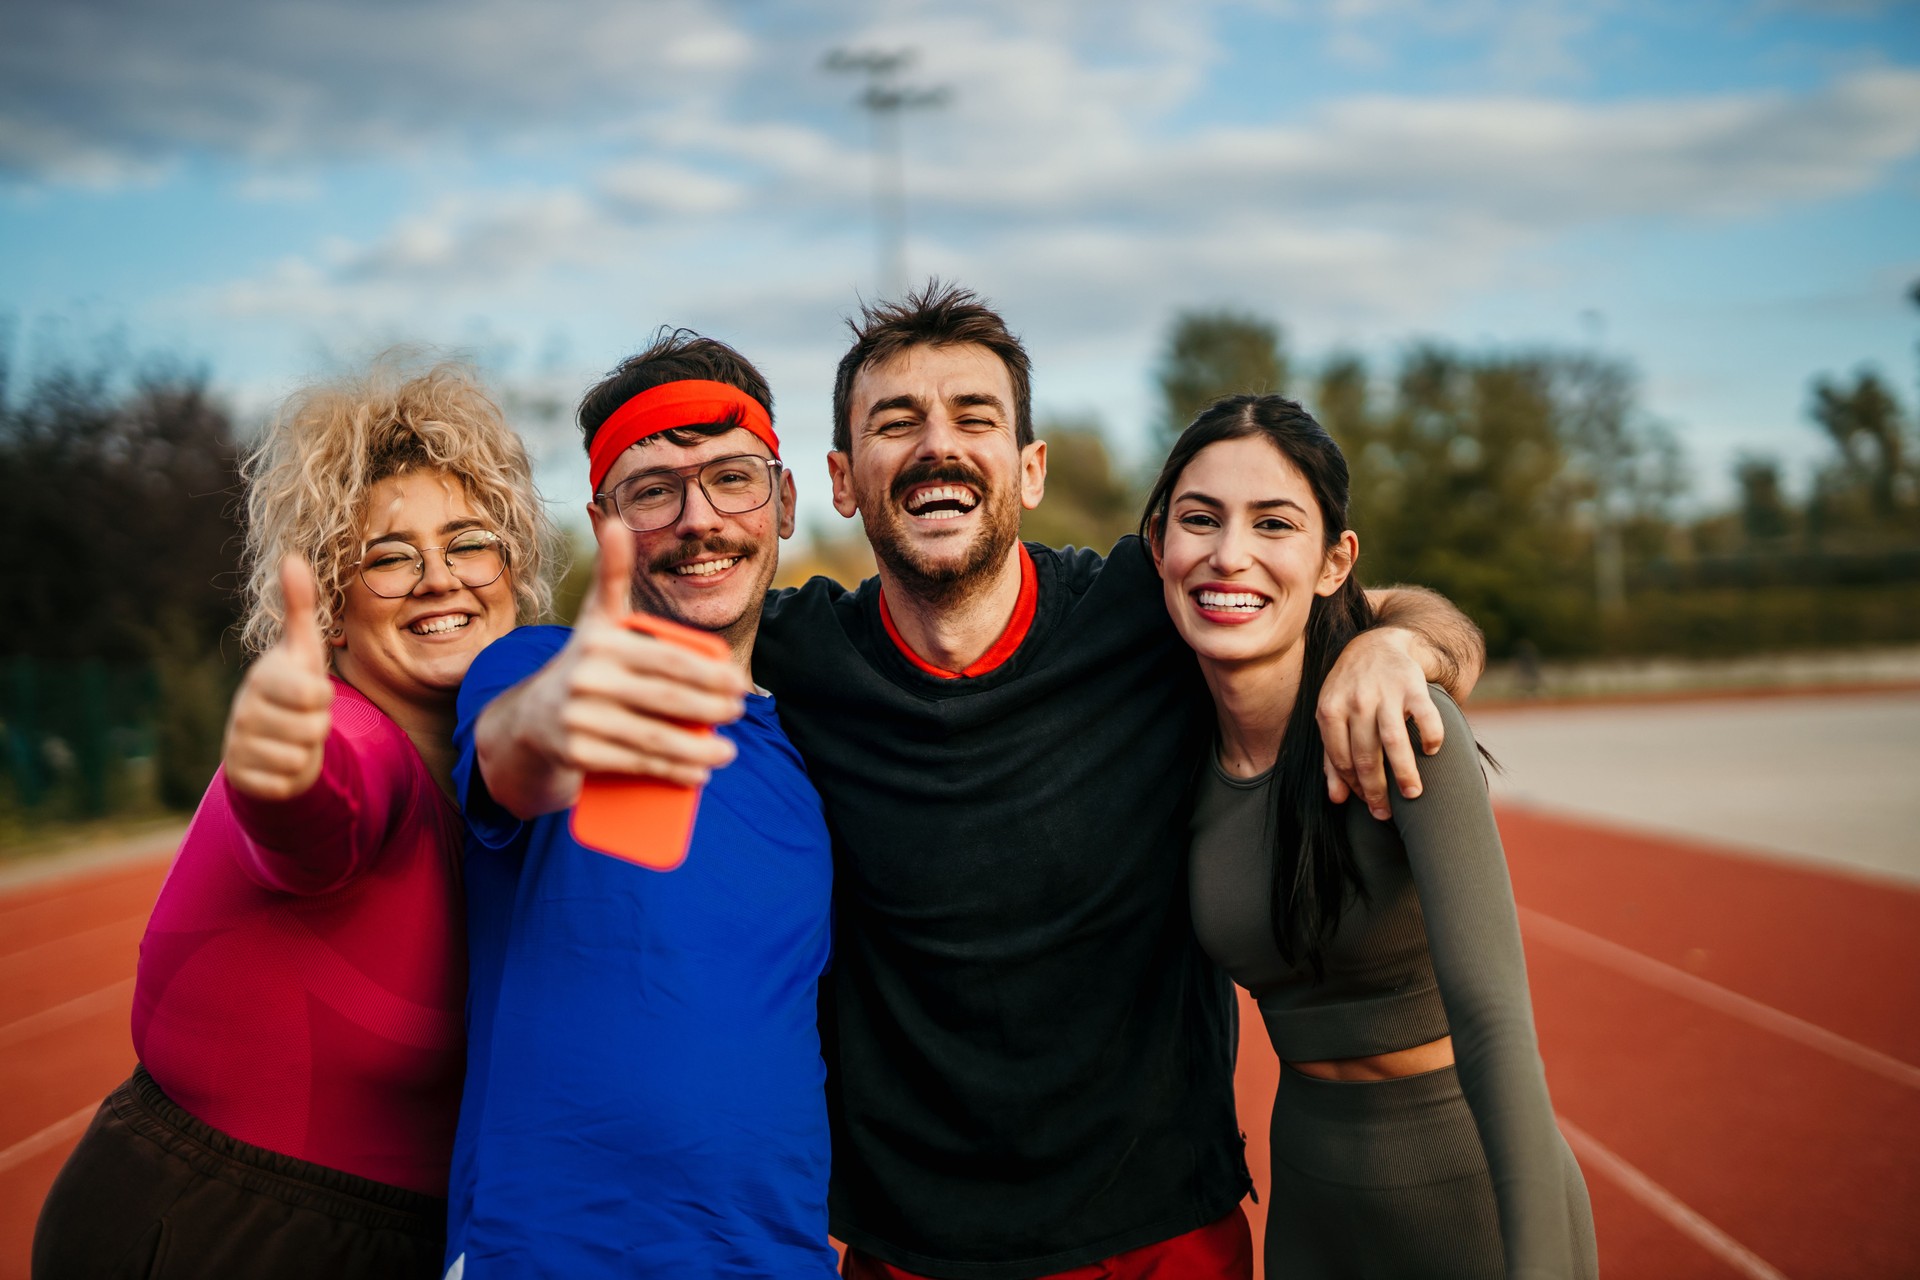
645 820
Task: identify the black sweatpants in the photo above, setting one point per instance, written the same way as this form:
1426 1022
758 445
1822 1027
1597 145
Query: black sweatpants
153 1194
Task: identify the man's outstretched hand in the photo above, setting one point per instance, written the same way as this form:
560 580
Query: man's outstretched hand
611 701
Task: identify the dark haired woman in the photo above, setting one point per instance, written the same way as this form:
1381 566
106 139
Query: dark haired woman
1412 1133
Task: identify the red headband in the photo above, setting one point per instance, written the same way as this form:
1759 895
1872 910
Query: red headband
688 403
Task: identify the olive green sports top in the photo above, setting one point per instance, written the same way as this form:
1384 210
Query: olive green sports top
1432 949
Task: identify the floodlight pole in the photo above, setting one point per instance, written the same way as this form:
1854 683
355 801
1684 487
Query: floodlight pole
1913 293
884 100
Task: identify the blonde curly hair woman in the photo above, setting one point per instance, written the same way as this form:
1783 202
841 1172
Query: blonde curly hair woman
298 1013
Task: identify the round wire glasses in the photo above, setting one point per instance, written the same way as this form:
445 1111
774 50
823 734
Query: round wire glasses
476 558
649 500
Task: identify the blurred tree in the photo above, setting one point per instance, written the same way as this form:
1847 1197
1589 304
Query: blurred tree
1342 401
1868 430
1631 465
1089 502
1488 515
194 683
119 531
1484 477
1764 513
1210 354
838 551
116 509
577 578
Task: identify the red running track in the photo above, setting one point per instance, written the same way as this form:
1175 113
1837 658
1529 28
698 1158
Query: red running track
1731 1043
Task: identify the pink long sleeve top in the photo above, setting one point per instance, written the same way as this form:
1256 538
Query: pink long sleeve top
303 978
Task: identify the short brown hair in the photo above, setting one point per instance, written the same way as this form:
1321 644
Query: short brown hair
674 355
940 315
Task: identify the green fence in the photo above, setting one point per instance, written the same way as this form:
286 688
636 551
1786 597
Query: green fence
80 739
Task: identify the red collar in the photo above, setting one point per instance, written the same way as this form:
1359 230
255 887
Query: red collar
1001 650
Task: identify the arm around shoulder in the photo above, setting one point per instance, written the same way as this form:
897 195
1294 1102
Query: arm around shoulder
1445 642
1381 681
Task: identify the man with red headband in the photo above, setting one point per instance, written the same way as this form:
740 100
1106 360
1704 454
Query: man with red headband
644 1092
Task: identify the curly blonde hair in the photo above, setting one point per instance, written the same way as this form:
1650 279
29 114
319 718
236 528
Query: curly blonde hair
331 442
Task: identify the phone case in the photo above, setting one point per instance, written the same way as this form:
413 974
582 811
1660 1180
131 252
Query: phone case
646 821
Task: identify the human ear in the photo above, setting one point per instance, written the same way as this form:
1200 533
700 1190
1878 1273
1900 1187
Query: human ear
786 500
1341 557
840 473
1033 474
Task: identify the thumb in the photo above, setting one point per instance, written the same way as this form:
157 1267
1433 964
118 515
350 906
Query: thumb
300 633
612 594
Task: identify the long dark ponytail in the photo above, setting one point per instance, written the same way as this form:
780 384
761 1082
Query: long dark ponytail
1311 856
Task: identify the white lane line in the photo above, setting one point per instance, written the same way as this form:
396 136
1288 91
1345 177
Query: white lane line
1665 1204
65 1014
48 1138
1654 973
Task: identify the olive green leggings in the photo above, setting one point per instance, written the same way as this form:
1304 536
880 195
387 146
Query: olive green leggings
1388 1179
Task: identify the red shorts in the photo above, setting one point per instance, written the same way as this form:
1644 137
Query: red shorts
1222 1250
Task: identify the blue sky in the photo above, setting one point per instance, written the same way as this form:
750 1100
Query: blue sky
1726 194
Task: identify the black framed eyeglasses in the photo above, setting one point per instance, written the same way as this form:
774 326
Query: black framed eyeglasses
476 558
649 500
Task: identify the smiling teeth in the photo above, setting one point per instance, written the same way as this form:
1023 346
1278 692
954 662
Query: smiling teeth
925 498
1231 601
705 568
436 626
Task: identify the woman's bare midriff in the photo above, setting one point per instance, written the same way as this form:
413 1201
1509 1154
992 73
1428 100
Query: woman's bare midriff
1418 1060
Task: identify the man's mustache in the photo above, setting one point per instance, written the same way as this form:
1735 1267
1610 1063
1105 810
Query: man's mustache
937 473
692 549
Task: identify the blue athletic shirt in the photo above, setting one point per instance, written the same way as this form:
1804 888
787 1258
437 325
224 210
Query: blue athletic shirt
645 1094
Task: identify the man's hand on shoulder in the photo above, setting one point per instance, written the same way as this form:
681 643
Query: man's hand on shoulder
1380 682
611 701
1368 697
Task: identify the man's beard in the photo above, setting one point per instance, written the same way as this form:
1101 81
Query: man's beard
942 580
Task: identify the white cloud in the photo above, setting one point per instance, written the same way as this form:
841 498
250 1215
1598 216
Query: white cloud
650 186
147 84
1547 164
48 150
1055 177
1537 162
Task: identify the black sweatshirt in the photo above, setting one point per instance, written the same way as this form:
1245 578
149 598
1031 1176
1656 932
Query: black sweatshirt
1030 1059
